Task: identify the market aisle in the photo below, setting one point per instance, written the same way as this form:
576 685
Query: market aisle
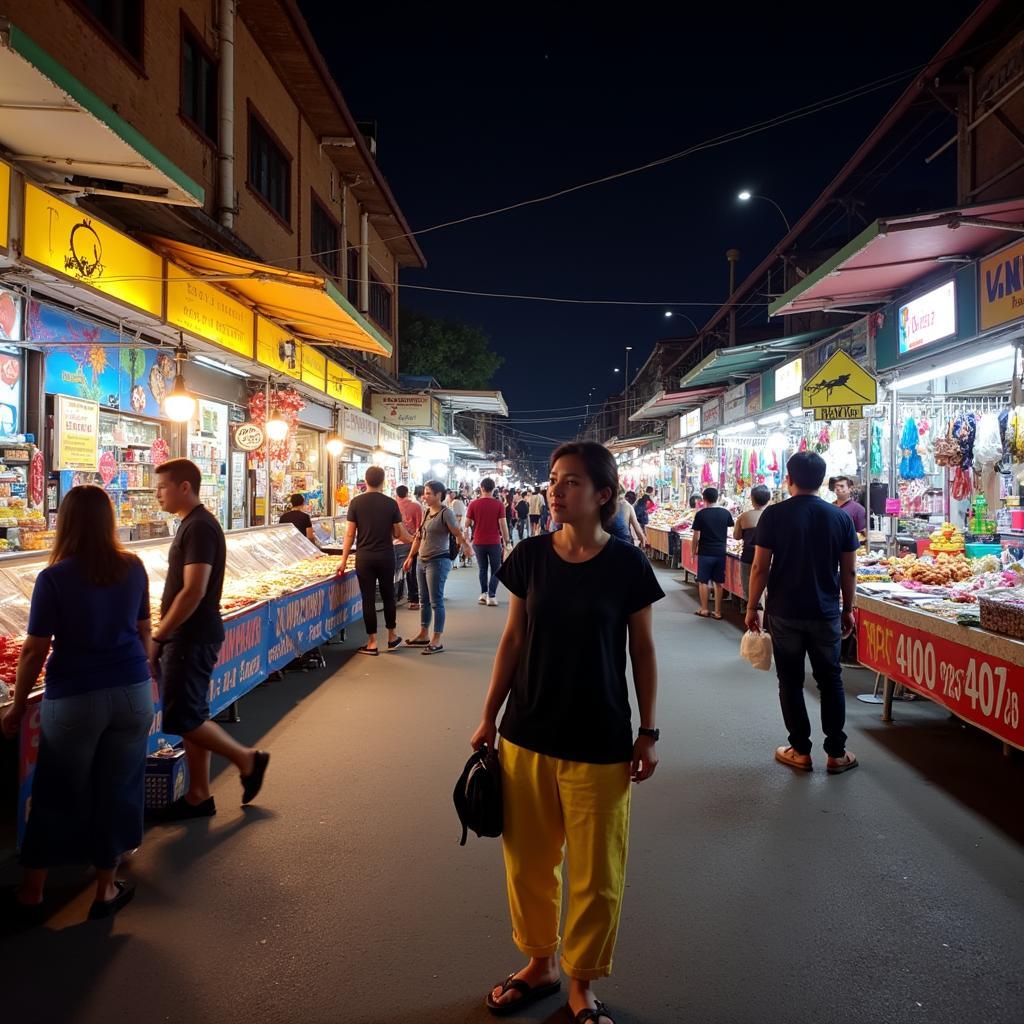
890 894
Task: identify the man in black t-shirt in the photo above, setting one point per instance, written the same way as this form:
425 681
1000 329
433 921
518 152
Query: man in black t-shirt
806 555
374 524
299 518
711 526
186 644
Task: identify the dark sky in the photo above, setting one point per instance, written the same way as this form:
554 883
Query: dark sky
471 119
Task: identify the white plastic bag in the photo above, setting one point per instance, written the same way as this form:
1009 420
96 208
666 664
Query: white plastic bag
988 448
757 649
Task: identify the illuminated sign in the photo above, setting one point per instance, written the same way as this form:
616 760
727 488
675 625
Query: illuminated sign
207 312
345 386
416 411
788 379
62 238
691 423
5 203
928 318
1001 288
314 367
77 424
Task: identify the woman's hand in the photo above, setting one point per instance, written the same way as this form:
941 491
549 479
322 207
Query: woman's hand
407 565
486 735
10 721
645 759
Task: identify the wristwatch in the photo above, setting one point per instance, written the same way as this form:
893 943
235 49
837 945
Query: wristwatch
654 734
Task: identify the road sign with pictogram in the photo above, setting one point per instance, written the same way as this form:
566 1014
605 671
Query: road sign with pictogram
840 386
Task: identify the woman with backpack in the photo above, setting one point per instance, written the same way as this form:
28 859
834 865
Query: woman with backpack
567 749
437 543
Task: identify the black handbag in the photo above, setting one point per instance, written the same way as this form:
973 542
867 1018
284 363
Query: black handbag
478 795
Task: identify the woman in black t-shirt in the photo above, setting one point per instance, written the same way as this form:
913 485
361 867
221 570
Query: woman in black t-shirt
579 599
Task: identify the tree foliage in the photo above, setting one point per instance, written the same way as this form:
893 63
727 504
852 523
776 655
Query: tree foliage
456 354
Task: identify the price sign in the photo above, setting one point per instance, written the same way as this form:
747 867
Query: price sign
980 688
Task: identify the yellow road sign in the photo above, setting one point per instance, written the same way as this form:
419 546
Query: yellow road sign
840 381
839 412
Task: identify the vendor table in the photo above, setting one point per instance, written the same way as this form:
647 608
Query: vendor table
733 575
976 675
664 543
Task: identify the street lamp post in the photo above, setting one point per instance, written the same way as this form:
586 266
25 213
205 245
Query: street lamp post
625 404
745 196
688 319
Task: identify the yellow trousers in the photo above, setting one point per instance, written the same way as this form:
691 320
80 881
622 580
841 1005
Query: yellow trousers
553 807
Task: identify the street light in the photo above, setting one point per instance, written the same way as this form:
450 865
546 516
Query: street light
746 195
688 319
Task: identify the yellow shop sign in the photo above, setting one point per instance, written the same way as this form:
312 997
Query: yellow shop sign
5 203
1001 287
277 349
207 312
62 238
314 367
344 386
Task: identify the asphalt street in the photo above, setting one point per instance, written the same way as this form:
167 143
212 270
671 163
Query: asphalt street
894 893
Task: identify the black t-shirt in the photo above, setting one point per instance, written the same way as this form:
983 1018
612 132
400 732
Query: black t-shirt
806 536
522 510
714 524
199 541
569 698
299 519
375 515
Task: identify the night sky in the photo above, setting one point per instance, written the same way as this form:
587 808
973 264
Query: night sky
471 119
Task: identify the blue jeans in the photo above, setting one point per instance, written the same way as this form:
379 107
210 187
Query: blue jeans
818 639
488 556
431 577
88 789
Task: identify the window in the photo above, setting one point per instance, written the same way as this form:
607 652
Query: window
353 275
198 84
325 238
380 302
121 20
270 169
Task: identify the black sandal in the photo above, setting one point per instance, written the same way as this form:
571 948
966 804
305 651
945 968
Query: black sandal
107 908
586 1016
371 651
527 995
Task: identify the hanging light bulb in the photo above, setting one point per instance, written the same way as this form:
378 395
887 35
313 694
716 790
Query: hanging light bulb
334 446
277 429
179 404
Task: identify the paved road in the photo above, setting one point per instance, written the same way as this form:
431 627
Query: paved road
892 894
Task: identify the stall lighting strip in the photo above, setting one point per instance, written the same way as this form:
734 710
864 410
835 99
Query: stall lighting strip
949 368
217 365
774 418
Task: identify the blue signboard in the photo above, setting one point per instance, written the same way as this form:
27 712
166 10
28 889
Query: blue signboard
84 361
296 625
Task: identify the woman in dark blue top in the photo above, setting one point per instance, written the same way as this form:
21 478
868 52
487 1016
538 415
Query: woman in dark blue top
90 606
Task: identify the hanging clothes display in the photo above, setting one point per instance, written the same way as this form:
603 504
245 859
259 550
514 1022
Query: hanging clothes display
911 467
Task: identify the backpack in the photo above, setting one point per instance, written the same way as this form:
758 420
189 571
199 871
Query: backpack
478 795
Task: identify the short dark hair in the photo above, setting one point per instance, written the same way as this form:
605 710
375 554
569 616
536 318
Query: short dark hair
182 471
297 500
760 495
487 484
841 479
631 497
401 491
649 490
374 477
436 487
418 491
600 467
806 470
710 495
832 483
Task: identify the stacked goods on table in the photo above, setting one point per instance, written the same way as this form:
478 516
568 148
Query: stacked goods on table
947 538
265 586
670 517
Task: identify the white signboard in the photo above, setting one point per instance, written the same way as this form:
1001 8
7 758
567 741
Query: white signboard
391 439
691 423
414 411
735 403
929 317
788 379
359 429
711 414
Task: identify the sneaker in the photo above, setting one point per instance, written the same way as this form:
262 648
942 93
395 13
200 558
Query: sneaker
492 602
788 756
482 599
838 765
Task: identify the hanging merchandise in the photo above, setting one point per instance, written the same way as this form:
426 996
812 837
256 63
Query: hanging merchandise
964 431
822 444
877 456
947 450
803 444
706 476
963 484
911 467
988 449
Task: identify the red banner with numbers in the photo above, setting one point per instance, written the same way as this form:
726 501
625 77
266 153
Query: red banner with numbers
980 688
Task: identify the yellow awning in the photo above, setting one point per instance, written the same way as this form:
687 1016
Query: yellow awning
310 306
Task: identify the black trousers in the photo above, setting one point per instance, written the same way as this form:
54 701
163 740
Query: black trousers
373 571
411 583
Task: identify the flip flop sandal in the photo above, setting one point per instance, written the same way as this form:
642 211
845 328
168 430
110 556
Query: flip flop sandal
432 649
702 615
395 644
587 1016
527 995
717 618
371 651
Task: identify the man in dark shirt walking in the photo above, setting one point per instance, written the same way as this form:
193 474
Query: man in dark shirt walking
299 517
376 521
185 645
806 555
711 526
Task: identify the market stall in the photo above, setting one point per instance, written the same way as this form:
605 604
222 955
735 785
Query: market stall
282 597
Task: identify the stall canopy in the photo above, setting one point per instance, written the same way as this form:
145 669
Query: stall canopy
662 406
743 361
51 122
625 444
473 401
304 303
888 256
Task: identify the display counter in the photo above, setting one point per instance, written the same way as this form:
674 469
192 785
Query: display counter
733 575
282 597
973 673
664 544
